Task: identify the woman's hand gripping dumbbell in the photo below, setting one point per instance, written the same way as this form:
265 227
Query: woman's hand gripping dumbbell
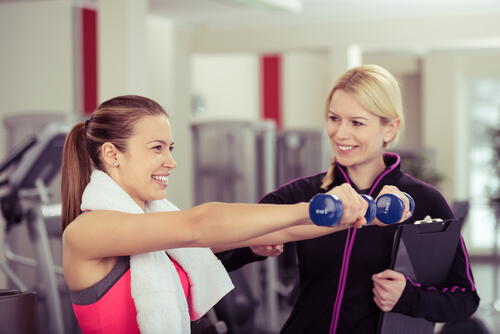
327 209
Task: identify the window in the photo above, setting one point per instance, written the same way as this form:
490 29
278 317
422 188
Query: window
485 113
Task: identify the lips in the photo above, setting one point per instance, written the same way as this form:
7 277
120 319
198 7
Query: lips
345 148
161 178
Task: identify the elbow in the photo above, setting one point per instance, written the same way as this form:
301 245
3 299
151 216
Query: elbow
198 222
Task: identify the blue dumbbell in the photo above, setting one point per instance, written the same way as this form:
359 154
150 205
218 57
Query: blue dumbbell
327 210
390 208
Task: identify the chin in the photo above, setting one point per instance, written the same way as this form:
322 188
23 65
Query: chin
160 195
342 158
345 162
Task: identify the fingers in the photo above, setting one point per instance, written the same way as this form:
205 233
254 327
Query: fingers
388 274
388 287
387 189
269 250
359 223
354 206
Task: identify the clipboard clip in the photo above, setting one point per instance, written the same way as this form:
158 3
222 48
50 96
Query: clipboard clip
428 219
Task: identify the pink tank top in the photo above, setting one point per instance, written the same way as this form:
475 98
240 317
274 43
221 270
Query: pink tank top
108 307
183 277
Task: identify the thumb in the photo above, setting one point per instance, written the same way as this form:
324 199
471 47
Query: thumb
386 274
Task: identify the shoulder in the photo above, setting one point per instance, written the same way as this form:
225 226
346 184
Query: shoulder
91 222
295 191
428 198
411 184
79 229
72 229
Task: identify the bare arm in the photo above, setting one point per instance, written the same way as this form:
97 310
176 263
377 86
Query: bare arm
100 234
354 209
295 233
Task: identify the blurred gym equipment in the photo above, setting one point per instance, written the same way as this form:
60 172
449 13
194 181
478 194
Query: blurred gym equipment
26 199
240 161
18 312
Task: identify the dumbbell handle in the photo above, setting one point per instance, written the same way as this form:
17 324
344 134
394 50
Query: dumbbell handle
327 210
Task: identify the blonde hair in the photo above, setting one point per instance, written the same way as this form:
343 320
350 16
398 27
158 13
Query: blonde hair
376 90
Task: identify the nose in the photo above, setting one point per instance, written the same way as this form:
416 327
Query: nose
343 130
169 161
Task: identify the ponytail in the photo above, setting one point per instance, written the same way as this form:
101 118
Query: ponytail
75 175
330 175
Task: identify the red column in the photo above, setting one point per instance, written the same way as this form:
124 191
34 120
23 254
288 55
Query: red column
271 88
89 60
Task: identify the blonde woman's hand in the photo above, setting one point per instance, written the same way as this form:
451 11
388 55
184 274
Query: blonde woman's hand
269 250
395 191
354 206
388 286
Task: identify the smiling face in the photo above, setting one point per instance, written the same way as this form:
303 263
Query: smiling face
144 168
357 136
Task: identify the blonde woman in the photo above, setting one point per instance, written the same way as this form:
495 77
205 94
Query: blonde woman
344 281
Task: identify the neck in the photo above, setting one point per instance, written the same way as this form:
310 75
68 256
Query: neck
363 176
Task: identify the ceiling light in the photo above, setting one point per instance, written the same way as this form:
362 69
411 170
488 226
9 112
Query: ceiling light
294 6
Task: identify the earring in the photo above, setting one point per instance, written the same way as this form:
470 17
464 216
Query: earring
387 139
115 164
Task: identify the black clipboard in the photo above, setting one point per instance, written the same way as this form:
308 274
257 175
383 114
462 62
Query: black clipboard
423 252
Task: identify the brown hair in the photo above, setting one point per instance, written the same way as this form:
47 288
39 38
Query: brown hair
114 122
377 91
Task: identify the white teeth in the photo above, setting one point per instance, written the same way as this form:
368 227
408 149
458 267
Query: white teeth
161 178
345 148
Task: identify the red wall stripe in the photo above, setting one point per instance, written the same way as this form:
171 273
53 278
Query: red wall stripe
89 59
271 88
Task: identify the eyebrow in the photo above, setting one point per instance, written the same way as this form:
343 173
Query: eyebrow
160 141
358 117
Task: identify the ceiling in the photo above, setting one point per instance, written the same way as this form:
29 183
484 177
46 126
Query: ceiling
216 13
238 13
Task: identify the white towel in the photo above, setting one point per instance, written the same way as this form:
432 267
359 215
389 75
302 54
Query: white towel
156 288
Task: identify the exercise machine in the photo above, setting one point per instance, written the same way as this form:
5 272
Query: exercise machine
26 199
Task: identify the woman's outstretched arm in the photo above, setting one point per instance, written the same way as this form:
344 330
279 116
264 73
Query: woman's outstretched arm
99 234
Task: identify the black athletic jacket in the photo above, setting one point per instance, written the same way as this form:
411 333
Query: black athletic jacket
335 270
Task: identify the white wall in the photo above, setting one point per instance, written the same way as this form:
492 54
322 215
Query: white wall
122 41
37 59
228 85
439 107
181 187
306 81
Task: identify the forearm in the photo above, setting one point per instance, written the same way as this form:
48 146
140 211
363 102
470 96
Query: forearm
104 233
437 305
457 299
289 234
237 258
217 225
